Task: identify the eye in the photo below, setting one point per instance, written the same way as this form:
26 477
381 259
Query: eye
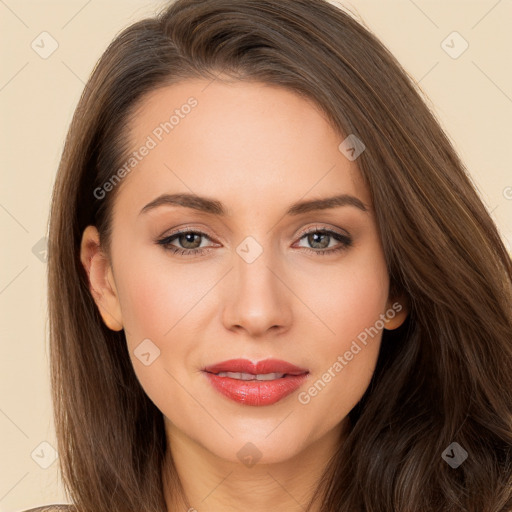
320 239
190 241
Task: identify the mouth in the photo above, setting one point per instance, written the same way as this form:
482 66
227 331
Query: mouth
250 376
262 383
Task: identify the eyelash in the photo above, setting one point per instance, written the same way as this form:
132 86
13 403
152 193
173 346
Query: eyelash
346 242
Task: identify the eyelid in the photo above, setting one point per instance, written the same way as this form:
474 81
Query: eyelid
204 232
190 229
323 228
345 241
342 236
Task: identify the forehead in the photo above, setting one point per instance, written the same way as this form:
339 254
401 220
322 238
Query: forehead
249 143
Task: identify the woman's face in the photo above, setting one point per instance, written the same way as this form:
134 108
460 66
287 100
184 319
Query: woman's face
309 287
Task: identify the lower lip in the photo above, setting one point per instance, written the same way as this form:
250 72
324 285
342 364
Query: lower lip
256 392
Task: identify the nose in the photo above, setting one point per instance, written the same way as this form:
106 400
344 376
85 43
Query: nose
257 297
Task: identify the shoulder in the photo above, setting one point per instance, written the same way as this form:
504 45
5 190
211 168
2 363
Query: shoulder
52 508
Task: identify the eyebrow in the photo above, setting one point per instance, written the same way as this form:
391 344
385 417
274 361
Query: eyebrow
214 207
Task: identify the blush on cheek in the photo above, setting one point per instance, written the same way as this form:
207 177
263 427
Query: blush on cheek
158 304
353 307
145 309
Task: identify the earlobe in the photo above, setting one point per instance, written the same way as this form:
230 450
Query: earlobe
101 279
396 313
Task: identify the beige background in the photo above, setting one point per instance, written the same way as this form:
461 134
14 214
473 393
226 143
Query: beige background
472 96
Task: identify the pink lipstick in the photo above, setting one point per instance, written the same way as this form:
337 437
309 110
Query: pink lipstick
262 383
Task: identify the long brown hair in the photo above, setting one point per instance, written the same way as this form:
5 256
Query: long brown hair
444 377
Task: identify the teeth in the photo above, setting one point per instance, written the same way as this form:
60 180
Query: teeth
250 376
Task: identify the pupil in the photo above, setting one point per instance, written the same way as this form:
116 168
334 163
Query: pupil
189 239
319 235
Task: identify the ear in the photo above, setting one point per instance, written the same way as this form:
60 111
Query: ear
101 279
396 312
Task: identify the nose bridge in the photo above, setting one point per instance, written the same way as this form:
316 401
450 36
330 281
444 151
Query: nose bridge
257 298
253 263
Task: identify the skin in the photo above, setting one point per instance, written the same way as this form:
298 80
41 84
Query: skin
257 149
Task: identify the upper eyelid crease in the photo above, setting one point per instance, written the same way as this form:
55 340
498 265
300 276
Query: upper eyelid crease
198 231
215 207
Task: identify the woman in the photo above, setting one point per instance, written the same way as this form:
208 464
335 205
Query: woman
339 339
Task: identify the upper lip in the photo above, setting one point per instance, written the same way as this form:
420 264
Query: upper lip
258 368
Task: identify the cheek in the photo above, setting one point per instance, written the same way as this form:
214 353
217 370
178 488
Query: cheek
145 304
350 298
349 304
168 304
158 305
155 297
